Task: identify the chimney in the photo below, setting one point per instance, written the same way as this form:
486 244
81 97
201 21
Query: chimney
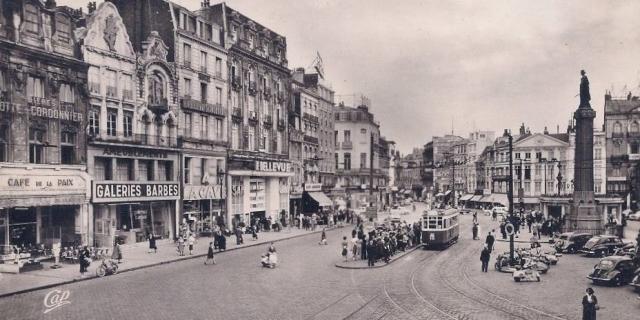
91 7
205 4
50 4
545 130
522 131
607 96
558 128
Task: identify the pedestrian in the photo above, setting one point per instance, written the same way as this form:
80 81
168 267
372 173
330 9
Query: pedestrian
210 254
485 255
344 248
474 230
490 241
589 305
152 243
180 246
222 242
84 259
354 248
254 234
475 217
323 238
272 248
503 230
371 253
238 235
117 251
192 240
363 249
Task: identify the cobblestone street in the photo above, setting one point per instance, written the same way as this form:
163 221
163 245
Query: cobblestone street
421 285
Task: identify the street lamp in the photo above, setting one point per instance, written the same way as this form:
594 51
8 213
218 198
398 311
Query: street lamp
507 134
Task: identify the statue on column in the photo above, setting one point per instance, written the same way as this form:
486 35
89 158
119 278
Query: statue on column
585 96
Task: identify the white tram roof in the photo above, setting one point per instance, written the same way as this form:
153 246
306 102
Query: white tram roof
440 212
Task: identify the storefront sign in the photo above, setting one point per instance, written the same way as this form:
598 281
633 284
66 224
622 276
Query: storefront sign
312 187
134 152
41 183
213 192
124 191
38 108
236 191
272 166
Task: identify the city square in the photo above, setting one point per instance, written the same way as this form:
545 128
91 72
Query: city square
182 159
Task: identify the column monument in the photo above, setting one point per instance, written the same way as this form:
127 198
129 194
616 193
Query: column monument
585 215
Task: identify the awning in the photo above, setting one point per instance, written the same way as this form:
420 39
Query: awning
321 199
500 198
466 197
475 198
530 200
446 193
394 188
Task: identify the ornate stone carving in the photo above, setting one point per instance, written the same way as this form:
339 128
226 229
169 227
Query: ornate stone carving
154 48
110 32
54 83
19 80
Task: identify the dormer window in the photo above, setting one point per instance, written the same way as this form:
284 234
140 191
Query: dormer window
31 18
63 29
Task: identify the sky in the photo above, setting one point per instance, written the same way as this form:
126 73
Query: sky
431 68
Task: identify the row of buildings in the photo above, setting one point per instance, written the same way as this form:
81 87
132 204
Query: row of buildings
141 115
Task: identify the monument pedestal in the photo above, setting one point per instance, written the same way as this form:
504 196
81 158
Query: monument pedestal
585 217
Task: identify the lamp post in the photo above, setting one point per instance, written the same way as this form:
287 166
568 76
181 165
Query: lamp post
507 134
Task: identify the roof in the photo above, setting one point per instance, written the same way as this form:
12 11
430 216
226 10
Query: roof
560 136
620 105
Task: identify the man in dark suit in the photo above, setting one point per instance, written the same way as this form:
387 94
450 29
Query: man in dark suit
485 255
489 241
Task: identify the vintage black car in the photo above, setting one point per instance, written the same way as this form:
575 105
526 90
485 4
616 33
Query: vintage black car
572 242
601 246
636 282
615 270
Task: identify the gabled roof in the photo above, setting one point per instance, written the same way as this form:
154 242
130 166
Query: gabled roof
620 105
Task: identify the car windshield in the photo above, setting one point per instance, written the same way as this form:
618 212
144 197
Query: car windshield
592 242
606 265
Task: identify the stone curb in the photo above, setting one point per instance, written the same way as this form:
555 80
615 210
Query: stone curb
200 255
541 241
397 257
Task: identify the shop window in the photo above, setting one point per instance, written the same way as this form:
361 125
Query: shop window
112 121
36 145
127 121
124 169
125 218
35 87
67 147
31 18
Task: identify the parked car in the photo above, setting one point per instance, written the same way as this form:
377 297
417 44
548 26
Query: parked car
572 242
464 211
634 216
501 211
601 246
636 282
487 212
615 270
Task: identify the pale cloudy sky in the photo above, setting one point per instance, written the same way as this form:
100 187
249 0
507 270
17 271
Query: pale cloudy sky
486 65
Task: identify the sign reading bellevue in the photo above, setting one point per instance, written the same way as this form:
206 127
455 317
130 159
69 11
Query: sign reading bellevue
272 166
122 191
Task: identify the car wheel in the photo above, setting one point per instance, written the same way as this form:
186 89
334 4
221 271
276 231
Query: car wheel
571 249
601 253
538 279
516 279
618 281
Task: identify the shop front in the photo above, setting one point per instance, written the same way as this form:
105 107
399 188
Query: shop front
131 211
42 206
295 200
259 189
314 200
203 208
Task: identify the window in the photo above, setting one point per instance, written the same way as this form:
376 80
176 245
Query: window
363 160
112 121
252 139
527 187
219 129
527 172
36 145
617 128
187 87
218 67
363 131
337 156
94 80
94 121
67 147
347 136
598 154
635 147
145 170
204 127
203 61
264 140
187 170
186 51
63 28
128 123
31 18
127 87
112 83
634 128
527 155
66 93
347 161
218 95
103 169
538 155
203 92
517 155
35 87
124 170
235 136
538 186
188 125
4 140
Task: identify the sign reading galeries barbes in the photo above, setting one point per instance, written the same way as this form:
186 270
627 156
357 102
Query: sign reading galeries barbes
112 191
272 166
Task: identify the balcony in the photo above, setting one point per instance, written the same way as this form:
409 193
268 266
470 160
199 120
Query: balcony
218 75
267 92
236 84
281 124
182 140
236 113
310 118
158 105
137 139
187 64
280 96
632 134
210 108
253 116
268 120
296 135
500 177
310 139
620 159
347 145
203 76
112 91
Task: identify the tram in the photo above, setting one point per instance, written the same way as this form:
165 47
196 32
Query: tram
440 228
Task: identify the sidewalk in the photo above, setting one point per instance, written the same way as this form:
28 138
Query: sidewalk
363 264
134 257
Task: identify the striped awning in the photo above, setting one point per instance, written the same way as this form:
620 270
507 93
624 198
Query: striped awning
466 197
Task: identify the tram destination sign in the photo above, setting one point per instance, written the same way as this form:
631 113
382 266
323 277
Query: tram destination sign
104 191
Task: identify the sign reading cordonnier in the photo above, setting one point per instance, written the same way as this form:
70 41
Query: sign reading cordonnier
124 191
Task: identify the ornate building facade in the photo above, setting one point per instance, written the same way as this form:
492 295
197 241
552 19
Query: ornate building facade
44 188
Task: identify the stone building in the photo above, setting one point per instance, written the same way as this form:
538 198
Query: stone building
258 95
132 127
44 188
